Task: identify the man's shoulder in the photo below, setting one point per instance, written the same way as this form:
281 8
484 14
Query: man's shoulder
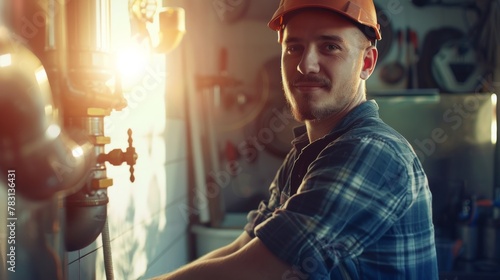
372 139
374 131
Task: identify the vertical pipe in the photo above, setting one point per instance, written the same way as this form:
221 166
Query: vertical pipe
89 42
90 63
496 169
55 51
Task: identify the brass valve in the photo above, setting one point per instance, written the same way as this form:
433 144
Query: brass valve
117 156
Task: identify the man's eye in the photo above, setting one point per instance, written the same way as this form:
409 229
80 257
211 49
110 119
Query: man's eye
292 49
331 47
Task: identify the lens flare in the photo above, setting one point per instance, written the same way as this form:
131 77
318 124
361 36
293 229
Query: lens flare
132 62
53 131
5 60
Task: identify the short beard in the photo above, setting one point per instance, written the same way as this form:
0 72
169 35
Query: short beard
307 113
310 114
315 113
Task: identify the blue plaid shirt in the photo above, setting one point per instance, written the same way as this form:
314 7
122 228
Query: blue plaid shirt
354 204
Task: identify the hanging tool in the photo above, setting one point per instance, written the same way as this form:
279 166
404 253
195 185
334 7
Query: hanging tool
415 55
394 72
411 57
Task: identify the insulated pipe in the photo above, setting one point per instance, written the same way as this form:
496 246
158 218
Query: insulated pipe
90 63
77 54
48 158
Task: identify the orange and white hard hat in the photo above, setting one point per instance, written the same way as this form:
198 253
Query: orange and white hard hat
360 11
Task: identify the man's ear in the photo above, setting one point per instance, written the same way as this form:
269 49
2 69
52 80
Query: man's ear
369 62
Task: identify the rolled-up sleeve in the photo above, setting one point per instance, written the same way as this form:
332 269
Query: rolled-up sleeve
264 211
267 207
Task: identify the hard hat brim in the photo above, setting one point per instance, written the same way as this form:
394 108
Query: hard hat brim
363 15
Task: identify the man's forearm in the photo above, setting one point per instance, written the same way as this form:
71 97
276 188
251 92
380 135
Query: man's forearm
227 250
219 253
252 261
199 269
202 263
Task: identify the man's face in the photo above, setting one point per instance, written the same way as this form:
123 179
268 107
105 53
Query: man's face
323 56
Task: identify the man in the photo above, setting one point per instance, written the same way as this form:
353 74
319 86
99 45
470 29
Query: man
351 200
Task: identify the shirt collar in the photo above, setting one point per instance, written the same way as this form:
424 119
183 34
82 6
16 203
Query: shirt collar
363 110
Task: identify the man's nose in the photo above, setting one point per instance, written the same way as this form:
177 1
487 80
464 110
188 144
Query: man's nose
309 62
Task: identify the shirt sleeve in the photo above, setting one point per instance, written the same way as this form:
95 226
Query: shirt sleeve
263 212
350 196
267 207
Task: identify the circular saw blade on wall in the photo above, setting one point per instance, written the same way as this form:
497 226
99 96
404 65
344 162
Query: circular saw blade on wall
455 67
448 62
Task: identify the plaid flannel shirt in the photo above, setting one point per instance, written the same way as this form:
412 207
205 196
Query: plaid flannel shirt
354 204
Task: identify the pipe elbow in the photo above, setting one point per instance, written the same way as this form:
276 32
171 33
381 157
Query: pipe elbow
84 223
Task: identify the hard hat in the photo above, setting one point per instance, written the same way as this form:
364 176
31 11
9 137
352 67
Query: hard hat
360 11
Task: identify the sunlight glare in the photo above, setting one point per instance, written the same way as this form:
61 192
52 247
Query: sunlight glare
5 60
132 62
